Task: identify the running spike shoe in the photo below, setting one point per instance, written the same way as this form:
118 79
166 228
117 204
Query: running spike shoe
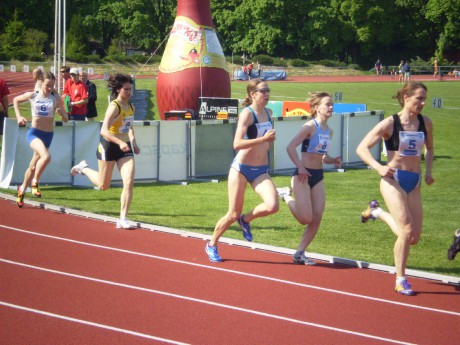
303 260
36 190
246 229
367 213
124 224
283 192
404 288
76 169
20 198
212 253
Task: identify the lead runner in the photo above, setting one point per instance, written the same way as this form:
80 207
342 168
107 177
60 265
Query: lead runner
406 134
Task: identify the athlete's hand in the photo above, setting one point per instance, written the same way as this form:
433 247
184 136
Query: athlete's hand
124 147
303 175
21 121
269 136
386 171
337 162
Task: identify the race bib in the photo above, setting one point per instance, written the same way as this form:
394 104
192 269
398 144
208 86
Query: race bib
324 141
126 124
263 128
44 108
411 143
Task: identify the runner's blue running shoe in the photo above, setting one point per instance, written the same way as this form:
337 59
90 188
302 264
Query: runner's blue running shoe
404 288
212 253
246 229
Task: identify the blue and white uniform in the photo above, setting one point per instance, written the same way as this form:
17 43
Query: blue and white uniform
255 130
258 129
41 107
319 143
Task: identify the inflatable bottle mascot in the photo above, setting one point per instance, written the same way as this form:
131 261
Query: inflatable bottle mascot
193 64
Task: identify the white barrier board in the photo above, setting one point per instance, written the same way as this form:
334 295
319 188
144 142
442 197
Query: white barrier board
172 150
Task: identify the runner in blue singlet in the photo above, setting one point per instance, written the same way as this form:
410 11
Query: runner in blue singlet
307 182
253 137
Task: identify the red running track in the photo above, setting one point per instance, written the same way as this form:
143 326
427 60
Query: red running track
20 82
66 279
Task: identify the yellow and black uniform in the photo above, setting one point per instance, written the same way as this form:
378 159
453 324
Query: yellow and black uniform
108 151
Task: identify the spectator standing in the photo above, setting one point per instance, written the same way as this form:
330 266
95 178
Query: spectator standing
250 68
406 70
406 134
401 72
117 146
378 67
65 74
76 90
44 103
435 68
259 69
253 138
91 111
4 92
307 182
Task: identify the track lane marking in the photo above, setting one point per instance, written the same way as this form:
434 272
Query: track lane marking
207 302
89 323
282 281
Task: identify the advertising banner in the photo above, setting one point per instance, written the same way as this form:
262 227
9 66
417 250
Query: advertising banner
212 108
296 109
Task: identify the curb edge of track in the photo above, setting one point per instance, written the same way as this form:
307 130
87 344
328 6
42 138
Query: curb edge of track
253 245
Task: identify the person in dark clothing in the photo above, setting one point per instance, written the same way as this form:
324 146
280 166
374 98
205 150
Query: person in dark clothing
91 112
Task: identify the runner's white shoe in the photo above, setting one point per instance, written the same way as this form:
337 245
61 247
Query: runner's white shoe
78 168
283 192
125 224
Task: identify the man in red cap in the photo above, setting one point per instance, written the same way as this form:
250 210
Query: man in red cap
78 94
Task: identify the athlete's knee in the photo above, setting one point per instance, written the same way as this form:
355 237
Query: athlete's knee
316 220
233 216
128 183
46 158
273 208
304 219
406 234
103 186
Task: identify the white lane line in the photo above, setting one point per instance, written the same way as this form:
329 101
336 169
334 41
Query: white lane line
89 323
287 282
202 301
